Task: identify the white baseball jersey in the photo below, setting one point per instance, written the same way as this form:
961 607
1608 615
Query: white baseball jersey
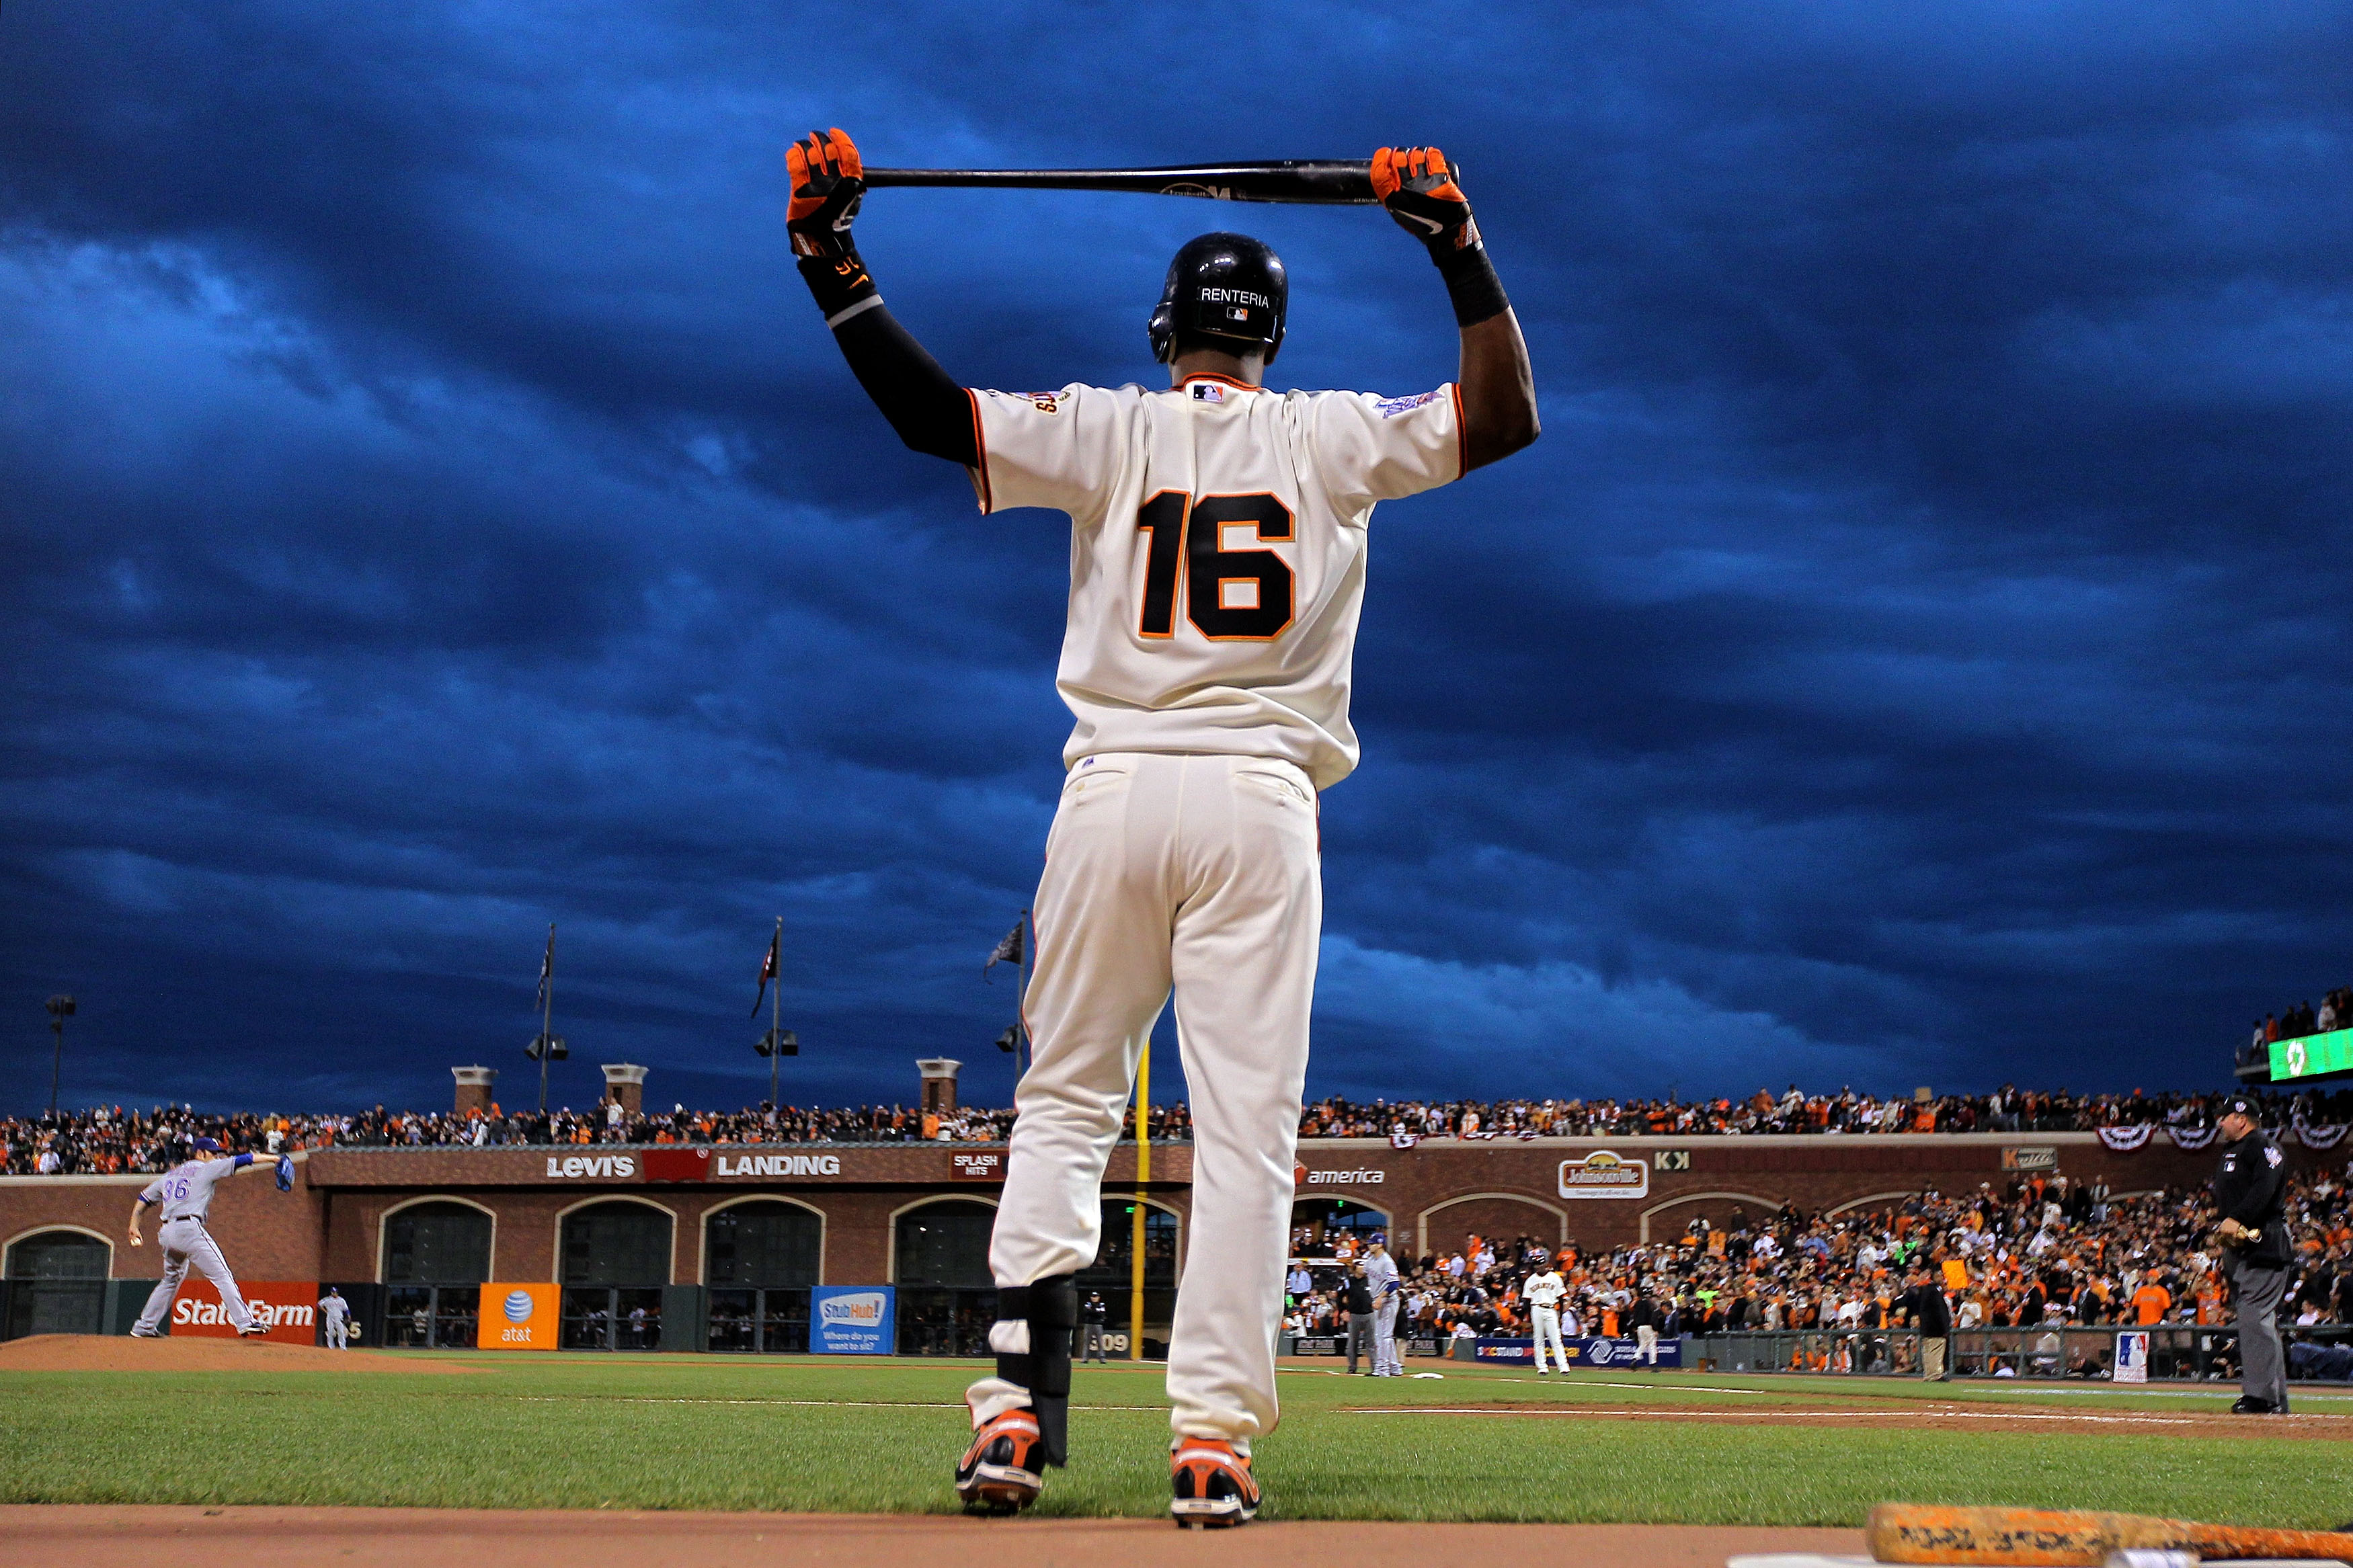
1217 551
333 1310
186 1191
1381 1275
1544 1289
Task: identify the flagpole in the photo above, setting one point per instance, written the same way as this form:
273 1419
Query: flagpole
1143 1174
775 1013
546 1017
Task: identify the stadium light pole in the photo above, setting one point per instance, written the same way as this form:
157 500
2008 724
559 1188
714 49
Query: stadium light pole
60 1008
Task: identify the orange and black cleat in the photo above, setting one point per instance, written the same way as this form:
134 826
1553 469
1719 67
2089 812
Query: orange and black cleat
999 1474
1213 1485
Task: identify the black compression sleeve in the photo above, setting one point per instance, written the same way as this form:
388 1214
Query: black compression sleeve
931 412
1471 283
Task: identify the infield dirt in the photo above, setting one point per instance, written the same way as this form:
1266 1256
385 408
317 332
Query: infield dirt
270 1537
121 1352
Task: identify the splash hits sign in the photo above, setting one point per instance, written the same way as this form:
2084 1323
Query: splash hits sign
1602 1175
288 1307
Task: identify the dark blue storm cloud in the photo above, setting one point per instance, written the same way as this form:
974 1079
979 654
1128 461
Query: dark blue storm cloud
1916 652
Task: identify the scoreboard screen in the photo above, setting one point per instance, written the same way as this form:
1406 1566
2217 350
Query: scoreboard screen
2313 1056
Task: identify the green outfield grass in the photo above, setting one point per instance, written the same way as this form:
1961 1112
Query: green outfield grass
713 1432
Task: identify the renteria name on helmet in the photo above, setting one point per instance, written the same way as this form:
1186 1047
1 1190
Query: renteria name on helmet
1237 296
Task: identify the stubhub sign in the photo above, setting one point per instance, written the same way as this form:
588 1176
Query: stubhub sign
852 1319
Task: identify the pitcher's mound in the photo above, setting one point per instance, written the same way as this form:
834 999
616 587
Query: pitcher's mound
121 1352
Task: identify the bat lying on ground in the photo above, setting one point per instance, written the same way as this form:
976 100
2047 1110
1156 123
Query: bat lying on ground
1320 183
2036 1538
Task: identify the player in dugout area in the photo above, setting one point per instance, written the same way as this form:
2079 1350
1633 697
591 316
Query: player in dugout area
1219 536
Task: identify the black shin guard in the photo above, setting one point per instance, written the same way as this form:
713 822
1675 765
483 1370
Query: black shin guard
1053 1313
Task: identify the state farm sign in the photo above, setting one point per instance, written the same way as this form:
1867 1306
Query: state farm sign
1602 1175
288 1307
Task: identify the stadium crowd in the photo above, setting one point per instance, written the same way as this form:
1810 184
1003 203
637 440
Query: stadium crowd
110 1139
2039 1252
2007 1109
107 1139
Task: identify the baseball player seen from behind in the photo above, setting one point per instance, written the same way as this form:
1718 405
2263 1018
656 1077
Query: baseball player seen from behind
1219 533
185 1190
1542 1292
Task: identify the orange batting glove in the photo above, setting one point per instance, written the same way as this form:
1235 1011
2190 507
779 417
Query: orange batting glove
1419 190
826 188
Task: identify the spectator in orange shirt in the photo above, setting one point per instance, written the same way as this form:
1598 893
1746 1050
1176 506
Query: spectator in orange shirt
2151 1302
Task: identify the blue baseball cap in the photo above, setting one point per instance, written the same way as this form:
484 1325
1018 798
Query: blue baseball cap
210 1146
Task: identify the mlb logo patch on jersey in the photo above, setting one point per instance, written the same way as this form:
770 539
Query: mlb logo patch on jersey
1207 391
1392 407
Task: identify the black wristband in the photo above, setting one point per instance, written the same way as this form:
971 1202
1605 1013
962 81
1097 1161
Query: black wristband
1470 282
839 283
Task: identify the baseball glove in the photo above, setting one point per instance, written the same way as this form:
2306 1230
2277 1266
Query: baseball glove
285 1173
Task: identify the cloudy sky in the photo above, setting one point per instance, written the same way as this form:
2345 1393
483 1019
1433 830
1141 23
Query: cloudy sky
1915 653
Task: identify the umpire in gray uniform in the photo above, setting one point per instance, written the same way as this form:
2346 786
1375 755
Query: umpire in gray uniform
2249 1191
1357 1297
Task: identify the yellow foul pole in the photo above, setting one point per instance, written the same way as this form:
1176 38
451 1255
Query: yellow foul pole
1143 1174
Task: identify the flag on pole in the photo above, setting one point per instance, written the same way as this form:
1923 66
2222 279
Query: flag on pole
546 967
768 967
1008 952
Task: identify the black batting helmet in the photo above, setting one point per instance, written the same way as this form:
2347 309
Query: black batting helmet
1224 286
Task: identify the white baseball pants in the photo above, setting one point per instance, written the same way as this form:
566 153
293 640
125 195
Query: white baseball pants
182 1242
1385 1362
1200 875
1646 1344
336 1335
1545 1321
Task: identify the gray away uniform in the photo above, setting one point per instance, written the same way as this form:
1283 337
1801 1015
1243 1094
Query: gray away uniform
186 1193
1381 1274
335 1313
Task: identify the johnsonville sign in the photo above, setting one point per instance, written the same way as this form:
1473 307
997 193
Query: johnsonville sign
1602 1175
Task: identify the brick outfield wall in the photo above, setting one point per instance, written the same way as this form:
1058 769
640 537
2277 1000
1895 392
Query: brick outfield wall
329 1227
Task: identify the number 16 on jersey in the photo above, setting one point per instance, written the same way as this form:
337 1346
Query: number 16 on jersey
1231 595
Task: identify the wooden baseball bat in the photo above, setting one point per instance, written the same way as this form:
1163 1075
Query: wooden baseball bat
1319 182
2037 1538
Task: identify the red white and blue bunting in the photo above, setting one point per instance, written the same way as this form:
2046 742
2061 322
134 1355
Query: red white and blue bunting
2125 1140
